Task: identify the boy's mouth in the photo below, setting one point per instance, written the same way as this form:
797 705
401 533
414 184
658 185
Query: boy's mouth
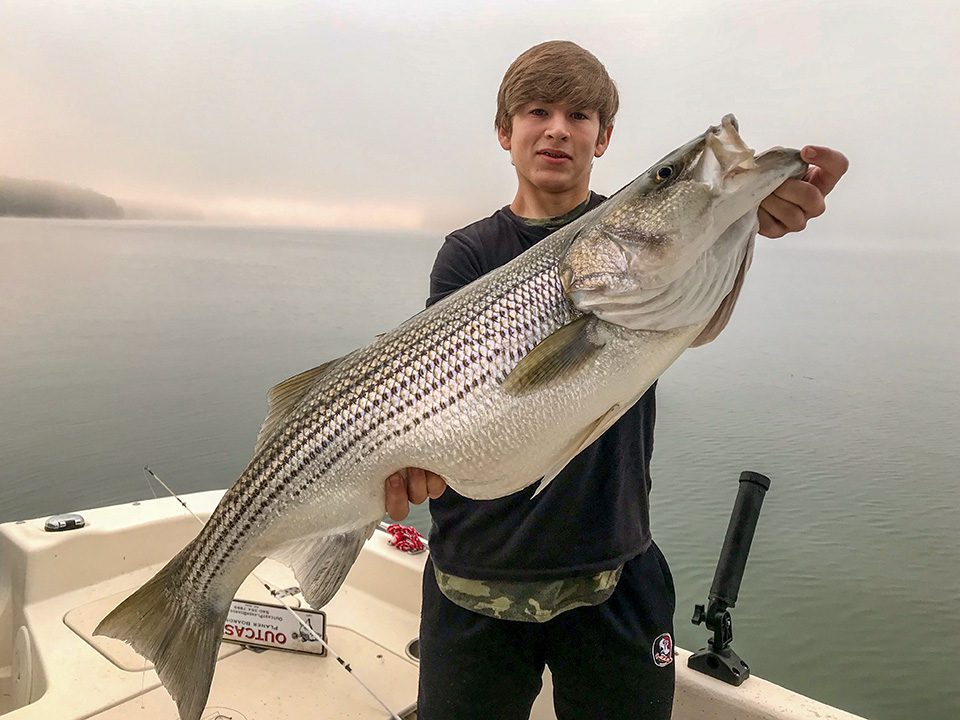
554 154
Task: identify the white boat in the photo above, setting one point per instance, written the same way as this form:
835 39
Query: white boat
56 586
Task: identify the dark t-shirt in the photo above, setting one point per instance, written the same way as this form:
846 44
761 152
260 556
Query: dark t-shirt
595 514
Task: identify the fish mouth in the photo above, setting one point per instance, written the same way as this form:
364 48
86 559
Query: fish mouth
725 155
738 176
770 169
727 160
788 158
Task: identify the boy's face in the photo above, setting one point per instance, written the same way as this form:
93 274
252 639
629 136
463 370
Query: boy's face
553 146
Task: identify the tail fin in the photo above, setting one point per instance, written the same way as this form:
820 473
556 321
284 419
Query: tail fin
181 637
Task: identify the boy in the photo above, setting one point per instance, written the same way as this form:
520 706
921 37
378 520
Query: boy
571 579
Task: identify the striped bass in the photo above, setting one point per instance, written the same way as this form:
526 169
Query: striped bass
495 387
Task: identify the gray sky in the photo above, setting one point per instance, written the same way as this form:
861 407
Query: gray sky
380 114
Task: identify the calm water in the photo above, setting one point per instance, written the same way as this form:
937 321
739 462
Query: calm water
123 345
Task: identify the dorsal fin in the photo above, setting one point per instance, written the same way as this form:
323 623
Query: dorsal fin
284 396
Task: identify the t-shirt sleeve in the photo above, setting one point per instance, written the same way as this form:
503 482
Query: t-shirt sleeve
456 265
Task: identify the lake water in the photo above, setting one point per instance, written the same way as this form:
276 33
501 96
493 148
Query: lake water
124 345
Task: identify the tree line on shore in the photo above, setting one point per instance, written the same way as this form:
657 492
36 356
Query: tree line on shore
42 198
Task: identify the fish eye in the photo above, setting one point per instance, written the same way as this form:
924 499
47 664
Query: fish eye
664 172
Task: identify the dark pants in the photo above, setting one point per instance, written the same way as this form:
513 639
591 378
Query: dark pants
612 661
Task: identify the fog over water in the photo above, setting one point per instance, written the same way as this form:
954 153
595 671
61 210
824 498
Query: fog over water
380 114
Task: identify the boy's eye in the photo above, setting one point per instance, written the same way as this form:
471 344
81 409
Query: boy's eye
538 112
580 116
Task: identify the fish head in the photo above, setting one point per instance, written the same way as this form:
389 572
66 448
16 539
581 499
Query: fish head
665 250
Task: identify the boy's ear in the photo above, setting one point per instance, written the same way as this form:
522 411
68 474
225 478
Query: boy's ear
603 141
504 137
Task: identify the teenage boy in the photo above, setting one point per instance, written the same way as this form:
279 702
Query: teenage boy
572 578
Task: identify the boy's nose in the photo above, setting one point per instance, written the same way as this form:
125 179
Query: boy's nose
558 130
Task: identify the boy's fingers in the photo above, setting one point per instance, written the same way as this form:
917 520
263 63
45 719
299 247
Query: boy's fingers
790 216
397 506
410 485
435 485
827 166
804 195
769 226
416 485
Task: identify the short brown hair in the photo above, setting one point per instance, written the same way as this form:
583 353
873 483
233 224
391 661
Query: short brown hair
557 71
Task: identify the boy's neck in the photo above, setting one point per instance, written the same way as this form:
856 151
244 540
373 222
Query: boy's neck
547 205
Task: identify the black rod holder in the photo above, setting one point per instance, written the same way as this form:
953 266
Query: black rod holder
718 659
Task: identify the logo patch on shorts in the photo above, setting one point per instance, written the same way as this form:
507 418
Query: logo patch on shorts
663 650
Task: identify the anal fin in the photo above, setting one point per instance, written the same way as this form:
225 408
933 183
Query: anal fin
321 562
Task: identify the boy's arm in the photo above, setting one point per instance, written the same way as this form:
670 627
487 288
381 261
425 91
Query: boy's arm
456 265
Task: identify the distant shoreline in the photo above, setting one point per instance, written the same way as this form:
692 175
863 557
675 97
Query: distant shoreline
45 199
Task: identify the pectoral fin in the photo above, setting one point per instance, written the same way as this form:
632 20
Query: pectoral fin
558 355
581 442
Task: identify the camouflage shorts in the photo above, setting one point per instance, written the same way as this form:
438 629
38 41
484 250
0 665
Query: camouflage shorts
528 600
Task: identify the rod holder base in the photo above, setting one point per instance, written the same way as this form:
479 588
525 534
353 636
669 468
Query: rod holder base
724 665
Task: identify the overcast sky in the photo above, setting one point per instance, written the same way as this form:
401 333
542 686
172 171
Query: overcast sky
381 114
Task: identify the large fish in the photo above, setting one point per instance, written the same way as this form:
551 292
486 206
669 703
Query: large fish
495 387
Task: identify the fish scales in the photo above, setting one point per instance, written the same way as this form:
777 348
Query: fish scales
518 309
497 385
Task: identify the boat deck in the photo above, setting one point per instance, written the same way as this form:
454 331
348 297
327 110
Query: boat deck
55 588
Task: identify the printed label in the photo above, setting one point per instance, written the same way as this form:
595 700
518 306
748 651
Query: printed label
273 626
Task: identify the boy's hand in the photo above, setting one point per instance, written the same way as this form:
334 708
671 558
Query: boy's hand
411 485
795 202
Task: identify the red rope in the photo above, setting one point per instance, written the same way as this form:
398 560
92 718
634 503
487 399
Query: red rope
405 538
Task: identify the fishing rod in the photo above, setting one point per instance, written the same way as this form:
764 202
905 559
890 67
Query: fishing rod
278 594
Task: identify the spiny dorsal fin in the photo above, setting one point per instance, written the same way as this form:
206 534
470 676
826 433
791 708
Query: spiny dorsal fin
284 396
558 354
